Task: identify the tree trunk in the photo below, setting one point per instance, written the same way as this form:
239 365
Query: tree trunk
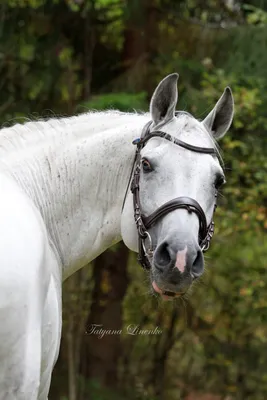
89 46
161 352
71 361
100 355
134 43
140 44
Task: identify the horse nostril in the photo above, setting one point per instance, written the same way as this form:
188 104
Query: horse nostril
162 256
198 265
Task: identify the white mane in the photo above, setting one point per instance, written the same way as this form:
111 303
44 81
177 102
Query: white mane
42 132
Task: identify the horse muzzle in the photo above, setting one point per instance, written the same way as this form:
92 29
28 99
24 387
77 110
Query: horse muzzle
176 265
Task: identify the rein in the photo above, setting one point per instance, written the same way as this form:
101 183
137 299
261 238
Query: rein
143 223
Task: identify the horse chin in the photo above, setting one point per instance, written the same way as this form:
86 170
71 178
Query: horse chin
166 295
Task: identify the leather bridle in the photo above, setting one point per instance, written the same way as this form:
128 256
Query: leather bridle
143 223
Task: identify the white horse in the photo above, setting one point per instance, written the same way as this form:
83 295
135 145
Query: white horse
62 188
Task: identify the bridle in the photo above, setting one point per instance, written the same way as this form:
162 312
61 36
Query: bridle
143 223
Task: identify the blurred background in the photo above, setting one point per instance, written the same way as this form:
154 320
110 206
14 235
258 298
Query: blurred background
60 57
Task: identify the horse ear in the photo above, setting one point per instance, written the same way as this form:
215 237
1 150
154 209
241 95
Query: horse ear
164 99
220 118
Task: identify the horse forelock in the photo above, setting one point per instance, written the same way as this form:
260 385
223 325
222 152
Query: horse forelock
190 123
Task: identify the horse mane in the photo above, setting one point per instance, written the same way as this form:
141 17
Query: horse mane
36 132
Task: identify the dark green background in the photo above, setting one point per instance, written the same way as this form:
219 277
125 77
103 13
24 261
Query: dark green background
64 57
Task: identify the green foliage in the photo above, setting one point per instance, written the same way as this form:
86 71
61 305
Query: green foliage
118 101
96 392
255 15
53 55
247 96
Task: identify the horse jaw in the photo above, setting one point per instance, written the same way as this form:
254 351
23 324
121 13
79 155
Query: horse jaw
128 228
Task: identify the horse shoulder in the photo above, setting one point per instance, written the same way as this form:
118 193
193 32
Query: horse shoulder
28 292
23 240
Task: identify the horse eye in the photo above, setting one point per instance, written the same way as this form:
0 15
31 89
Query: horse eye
220 180
146 166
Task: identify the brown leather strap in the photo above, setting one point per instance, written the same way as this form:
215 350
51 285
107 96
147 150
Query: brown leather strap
163 135
189 204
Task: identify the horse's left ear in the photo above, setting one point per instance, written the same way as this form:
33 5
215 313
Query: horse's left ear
220 118
164 99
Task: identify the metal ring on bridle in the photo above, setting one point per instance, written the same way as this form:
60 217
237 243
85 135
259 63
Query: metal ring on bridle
149 252
205 247
142 232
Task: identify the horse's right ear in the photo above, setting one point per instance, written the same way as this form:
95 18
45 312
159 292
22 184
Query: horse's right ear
164 99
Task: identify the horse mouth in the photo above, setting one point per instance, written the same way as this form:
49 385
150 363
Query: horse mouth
166 294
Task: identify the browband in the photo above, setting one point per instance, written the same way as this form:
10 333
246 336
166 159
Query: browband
142 141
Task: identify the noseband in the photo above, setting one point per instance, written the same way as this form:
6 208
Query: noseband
143 223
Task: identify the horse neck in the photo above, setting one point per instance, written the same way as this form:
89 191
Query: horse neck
78 178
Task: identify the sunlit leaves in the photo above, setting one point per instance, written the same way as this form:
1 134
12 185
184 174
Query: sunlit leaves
119 101
255 15
25 3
